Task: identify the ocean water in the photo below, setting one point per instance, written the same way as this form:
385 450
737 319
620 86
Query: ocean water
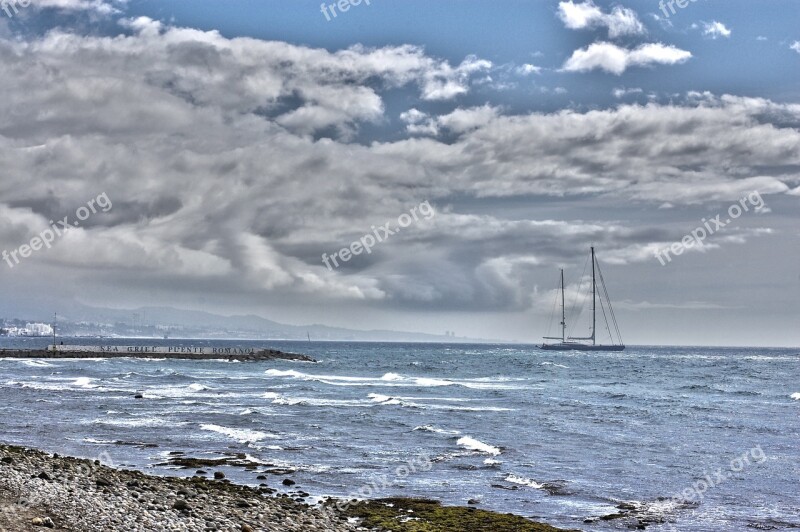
703 439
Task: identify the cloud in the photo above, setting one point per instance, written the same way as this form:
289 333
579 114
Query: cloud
616 60
620 21
795 46
715 30
97 7
621 92
527 69
457 122
205 146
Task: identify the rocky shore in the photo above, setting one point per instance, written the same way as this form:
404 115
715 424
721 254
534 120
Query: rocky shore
256 356
39 491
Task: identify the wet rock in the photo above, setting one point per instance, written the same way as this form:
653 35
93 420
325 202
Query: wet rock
219 475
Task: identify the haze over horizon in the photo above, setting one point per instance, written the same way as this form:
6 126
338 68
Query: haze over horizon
224 150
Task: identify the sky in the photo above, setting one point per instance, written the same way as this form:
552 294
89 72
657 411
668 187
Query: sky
216 154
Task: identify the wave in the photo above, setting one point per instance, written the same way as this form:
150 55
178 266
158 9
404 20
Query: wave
180 391
313 401
437 430
35 363
554 364
796 396
474 445
240 435
401 401
397 380
522 481
138 422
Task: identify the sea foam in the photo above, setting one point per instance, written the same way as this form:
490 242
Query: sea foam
474 445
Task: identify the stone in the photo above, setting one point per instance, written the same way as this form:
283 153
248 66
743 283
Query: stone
219 475
288 482
181 505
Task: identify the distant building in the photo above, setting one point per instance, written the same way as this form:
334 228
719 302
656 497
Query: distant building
30 329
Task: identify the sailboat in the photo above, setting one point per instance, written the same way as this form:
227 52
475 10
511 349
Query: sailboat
571 343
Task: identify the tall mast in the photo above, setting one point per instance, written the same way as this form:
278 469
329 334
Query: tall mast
563 311
594 302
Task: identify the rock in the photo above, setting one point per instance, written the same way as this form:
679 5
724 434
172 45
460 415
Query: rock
247 528
200 472
219 475
288 482
242 504
473 501
7 460
103 483
44 476
181 505
261 477
43 521
138 396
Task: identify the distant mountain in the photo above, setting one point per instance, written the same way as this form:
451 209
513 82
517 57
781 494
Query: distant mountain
78 319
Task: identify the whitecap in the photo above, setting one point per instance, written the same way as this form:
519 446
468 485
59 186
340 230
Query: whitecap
522 481
37 363
240 435
437 430
796 396
478 446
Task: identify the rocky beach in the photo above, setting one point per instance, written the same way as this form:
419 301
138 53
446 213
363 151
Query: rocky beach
40 491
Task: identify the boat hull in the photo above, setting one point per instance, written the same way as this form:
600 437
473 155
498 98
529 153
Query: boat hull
581 347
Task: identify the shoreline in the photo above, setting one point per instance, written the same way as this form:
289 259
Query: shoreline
256 356
39 490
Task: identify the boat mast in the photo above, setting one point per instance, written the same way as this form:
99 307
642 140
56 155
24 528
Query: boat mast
594 301
563 311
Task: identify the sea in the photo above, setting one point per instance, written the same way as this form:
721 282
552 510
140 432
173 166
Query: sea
686 438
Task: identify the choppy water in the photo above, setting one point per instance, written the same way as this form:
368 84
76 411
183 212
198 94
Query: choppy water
560 437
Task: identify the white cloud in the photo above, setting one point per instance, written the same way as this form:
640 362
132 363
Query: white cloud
616 59
528 69
715 30
621 92
620 21
795 46
457 122
101 7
